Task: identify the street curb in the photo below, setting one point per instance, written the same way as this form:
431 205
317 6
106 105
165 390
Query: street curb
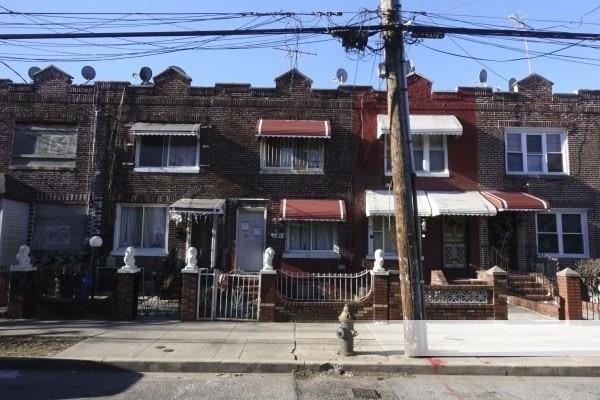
413 367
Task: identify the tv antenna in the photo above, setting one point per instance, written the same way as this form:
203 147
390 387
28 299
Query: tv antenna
341 75
519 21
88 73
145 75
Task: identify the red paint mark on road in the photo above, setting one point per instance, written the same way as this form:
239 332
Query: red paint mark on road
453 392
436 363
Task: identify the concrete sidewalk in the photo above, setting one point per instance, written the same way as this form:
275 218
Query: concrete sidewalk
273 347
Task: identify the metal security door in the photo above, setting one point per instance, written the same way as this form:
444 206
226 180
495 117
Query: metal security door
228 296
250 239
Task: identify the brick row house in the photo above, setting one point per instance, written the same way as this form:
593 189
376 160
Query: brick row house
232 169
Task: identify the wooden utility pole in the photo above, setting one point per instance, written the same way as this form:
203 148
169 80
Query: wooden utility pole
407 230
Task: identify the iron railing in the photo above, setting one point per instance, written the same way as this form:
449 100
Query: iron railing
590 305
228 296
330 288
498 259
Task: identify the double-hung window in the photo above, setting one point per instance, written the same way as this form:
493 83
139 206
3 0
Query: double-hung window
382 234
562 233
291 155
141 226
44 145
430 157
311 238
536 151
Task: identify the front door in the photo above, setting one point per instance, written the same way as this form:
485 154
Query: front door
250 239
454 232
201 239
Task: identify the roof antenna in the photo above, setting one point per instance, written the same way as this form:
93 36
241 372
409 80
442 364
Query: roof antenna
519 21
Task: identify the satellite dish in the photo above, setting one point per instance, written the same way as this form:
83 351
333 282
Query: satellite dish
341 75
483 76
512 84
145 74
32 71
88 73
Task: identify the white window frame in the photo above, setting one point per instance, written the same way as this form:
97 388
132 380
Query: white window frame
372 249
437 174
140 251
559 232
290 170
524 131
188 169
311 253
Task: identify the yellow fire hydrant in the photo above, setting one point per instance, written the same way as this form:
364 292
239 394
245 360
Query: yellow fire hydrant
346 332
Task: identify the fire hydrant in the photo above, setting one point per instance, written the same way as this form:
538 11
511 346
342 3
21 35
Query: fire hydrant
346 332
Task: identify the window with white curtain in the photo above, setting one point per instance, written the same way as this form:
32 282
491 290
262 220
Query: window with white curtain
429 155
536 151
311 236
141 226
291 154
165 153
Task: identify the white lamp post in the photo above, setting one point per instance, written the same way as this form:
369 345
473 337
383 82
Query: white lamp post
95 242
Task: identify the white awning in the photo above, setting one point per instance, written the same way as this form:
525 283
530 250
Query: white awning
381 202
198 206
424 125
460 203
147 128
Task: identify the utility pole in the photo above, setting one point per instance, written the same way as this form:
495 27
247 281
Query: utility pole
407 230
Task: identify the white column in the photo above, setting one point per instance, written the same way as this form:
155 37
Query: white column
188 231
213 242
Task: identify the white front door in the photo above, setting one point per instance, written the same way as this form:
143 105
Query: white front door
250 238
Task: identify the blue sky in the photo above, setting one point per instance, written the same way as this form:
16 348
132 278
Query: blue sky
260 66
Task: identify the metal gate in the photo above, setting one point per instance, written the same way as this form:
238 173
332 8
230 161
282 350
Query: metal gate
590 306
159 294
228 296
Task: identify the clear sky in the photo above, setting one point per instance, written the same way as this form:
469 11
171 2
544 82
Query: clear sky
320 60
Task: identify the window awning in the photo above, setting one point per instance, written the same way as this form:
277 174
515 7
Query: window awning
147 128
198 206
293 128
381 202
313 210
460 203
515 201
424 125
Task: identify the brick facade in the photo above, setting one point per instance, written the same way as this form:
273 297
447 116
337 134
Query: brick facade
534 105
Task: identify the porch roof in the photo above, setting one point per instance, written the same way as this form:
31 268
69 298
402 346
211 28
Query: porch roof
302 128
460 203
381 202
198 206
151 128
313 210
424 125
515 201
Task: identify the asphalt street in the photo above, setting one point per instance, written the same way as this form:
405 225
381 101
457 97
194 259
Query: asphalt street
32 385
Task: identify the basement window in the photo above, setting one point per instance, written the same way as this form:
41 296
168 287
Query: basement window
47 145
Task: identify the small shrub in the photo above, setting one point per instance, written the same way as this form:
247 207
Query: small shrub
590 274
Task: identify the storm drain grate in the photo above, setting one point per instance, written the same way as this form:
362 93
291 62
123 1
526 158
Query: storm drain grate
362 393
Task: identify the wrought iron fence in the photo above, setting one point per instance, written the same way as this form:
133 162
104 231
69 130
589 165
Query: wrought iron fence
159 294
229 296
334 288
591 298
458 294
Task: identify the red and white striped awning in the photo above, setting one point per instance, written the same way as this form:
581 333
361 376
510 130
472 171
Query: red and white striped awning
515 201
302 128
313 210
